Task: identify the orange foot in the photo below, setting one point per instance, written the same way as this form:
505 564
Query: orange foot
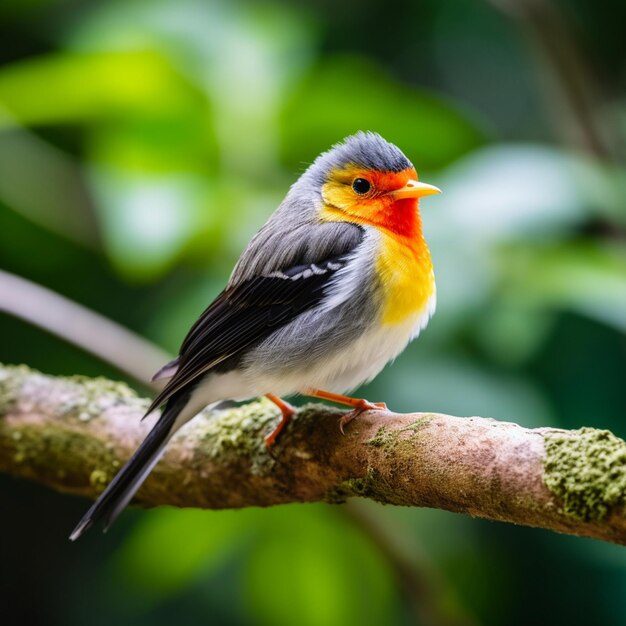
287 413
359 405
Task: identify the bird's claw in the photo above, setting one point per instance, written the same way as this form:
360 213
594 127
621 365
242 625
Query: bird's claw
360 407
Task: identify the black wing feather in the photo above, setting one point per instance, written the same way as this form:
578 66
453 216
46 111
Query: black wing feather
248 312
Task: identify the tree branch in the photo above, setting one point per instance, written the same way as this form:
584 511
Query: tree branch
82 327
73 434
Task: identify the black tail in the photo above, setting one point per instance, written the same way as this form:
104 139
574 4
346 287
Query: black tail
123 487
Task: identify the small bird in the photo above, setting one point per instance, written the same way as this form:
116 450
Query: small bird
333 286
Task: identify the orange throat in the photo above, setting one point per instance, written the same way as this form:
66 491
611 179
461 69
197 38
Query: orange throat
403 263
405 270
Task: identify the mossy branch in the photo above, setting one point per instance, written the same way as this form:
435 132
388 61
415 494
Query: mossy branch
73 434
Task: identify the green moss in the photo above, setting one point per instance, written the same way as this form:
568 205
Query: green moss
367 486
94 387
337 495
81 397
586 470
49 449
393 440
87 398
99 479
383 438
11 381
239 432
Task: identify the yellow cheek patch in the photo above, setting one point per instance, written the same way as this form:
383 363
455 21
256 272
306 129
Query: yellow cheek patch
406 274
339 196
338 192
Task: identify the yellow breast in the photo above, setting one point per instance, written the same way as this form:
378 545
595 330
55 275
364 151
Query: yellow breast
406 272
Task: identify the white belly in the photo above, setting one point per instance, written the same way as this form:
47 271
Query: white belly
338 372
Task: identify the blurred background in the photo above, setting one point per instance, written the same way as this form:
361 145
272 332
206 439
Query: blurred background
142 142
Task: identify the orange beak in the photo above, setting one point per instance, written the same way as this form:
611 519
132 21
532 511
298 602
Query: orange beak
415 189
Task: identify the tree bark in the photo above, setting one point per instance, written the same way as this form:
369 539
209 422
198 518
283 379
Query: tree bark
73 434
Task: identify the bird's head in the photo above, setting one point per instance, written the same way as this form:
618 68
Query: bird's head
367 180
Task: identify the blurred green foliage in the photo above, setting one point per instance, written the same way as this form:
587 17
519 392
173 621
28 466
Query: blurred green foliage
334 566
143 142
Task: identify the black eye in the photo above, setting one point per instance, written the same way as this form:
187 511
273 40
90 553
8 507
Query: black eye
361 186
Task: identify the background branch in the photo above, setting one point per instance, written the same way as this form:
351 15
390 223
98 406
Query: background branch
94 333
74 433
574 96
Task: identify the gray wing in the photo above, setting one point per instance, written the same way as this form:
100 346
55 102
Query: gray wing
254 305
275 248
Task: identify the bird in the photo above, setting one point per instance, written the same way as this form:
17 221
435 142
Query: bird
334 286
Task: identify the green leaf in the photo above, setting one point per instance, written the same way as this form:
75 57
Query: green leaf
61 88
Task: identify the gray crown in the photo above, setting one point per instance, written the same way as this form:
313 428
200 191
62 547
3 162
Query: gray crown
365 149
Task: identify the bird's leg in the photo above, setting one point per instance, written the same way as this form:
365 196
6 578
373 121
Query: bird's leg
359 404
287 412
